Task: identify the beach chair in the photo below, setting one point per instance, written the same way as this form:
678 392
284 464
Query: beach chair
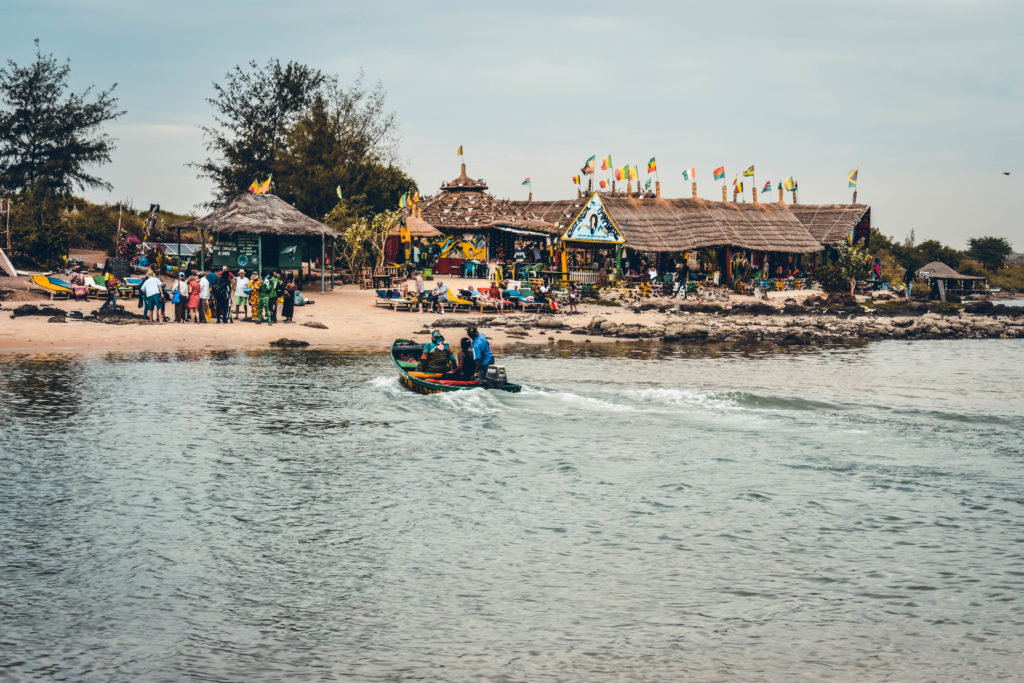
402 304
457 302
385 297
526 301
96 286
55 291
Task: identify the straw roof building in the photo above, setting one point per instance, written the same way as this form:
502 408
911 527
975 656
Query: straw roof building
259 214
831 224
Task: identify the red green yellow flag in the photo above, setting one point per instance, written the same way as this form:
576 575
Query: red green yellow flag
255 187
633 173
589 166
789 183
620 173
576 180
265 185
749 171
652 165
606 163
720 173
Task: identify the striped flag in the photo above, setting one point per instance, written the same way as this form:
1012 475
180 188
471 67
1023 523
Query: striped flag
620 173
739 188
690 174
767 187
265 185
589 166
255 187
415 198
606 163
652 165
460 150
789 183
720 173
633 173
603 184
749 171
853 177
403 201
526 182
576 180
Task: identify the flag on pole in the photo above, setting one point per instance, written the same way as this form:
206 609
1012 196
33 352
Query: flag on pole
739 188
403 201
652 165
735 180
576 180
620 173
255 187
460 150
789 183
526 182
265 185
647 183
603 184
749 171
767 187
606 163
690 174
633 173
853 177
720 173
589 166
416 198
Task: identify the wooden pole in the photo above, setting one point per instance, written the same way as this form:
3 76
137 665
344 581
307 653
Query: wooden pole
202 250
179 251
694 189
259 255
323 259
854 201
725 197
334 244
728 266
781 200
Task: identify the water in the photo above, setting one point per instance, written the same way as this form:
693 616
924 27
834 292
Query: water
637 513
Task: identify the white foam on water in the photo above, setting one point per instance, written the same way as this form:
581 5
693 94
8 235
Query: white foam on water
667 397
571 399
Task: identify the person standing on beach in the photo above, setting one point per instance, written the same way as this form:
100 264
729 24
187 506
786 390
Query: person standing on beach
221 291
241 297
419 291
268 298
111 283
204 298
288 307
254 296
179 295
152 289
908 280
193 298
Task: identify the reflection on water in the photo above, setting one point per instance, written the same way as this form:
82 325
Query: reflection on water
640 511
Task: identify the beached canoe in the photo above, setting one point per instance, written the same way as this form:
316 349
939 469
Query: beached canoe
406 353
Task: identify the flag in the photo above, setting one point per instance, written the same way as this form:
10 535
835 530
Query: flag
576 180
739 188
589 166
265 185
403 201
789 183
606 163
767 187
735 180
255 187
633 173
749 171
603 184
460 150
416 198
720 173
853 178
620 173
527 182
690 174
652 165
647 184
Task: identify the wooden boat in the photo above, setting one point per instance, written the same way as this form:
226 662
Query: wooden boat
405 354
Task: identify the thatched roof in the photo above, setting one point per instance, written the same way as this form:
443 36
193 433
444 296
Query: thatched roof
662 225
417 228
259 214
463 183
831 223
939 270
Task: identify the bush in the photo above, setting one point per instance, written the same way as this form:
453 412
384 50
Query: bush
831 279
1009 279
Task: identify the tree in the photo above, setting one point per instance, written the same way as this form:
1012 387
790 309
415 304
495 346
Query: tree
853 262
49 140
363 239
991 251
934 250
253 112
344 143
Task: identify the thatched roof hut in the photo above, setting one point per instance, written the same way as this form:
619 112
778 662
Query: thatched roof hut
259 214
417 228
937 270
671 225
831 224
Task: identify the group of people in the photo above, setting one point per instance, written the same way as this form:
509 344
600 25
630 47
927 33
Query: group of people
497 297
471 363
199 298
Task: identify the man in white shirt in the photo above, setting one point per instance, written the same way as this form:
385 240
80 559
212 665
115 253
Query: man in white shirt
204 299
152 290
241 297
440 295
419 290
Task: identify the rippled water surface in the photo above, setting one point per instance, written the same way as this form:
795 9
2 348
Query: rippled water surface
637 513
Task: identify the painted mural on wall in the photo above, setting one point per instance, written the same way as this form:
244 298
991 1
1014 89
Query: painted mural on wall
593 224
467 245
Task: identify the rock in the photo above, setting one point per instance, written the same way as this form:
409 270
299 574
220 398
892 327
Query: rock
289 343
57 319
793 309
596 323
32 309
549 323
315 324
677 332
754 308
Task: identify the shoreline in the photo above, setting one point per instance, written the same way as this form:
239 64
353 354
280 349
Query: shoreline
348 319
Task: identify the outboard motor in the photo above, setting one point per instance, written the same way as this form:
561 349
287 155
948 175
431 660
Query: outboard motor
495 376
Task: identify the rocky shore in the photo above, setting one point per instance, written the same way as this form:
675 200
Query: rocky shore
814 321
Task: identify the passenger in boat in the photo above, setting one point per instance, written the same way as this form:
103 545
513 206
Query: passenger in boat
437 355
466 367
481 351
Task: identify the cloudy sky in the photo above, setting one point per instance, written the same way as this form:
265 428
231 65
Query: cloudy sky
925 97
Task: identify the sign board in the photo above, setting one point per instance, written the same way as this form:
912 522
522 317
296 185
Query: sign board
236 251
118 267
593 225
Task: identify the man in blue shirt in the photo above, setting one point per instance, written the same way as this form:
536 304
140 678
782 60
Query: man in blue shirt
482 351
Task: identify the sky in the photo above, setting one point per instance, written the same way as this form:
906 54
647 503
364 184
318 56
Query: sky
924 97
